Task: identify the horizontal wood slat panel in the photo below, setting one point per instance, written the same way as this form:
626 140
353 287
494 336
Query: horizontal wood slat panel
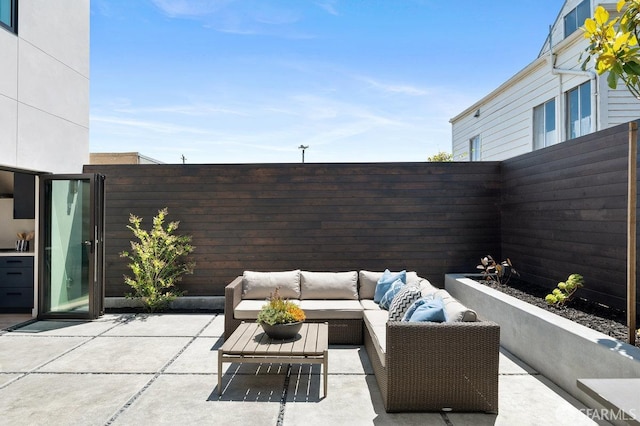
564 211
433 218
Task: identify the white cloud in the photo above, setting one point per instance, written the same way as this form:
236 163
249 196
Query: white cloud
194 110
403 89
190 8
242 17
154 126
329 6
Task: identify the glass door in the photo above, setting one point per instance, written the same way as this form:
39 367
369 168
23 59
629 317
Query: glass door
71 245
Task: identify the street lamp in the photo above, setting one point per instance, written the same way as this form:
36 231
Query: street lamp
303 148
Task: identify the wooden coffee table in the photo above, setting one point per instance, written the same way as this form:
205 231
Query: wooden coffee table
249 344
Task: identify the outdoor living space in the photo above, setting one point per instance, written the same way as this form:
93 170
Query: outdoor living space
544 210
127 369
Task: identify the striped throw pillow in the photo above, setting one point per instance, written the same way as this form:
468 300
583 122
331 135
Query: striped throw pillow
401 302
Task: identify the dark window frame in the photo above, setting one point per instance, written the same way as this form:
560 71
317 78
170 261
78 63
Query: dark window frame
13 4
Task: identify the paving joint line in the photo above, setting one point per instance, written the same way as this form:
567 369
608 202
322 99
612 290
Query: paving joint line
157 374
446 419
283 398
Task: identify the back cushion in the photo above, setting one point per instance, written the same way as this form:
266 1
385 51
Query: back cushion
454 310
369 280
427 288
329 285
260 285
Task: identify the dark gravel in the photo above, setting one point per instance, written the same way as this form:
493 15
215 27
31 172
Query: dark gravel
602 318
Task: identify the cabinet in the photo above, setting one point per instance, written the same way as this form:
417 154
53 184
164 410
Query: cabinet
24 196
16 282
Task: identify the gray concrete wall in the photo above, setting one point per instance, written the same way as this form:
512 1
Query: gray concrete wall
558 348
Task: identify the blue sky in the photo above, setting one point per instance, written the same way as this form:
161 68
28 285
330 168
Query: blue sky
248 81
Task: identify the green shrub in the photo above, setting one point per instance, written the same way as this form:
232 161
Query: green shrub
565 290
157 262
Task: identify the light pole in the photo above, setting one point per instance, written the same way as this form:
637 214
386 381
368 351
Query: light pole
303 148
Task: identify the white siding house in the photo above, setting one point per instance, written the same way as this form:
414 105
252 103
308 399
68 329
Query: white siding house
44 85
550 101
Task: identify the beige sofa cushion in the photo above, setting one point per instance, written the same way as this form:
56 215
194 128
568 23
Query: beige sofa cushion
260 285
332 309
376 323
329 285
454 310
249 309
369 304
313 309
368 281
426 288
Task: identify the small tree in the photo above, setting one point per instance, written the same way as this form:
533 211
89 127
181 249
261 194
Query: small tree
614 44
157 261
442 157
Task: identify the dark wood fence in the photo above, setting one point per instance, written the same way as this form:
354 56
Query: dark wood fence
564 211
433 218
554 212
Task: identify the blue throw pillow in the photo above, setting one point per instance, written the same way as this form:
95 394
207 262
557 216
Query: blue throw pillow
385 282
414 305
432 310
395 288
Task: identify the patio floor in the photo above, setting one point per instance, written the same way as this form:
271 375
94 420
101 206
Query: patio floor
161 369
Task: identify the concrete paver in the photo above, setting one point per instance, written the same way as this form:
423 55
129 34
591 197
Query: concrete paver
161 369
25 353
72 399
120 355
193 400
215 328
161 325
200 357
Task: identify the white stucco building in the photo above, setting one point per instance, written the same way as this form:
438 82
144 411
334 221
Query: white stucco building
550 101
44 133
44 85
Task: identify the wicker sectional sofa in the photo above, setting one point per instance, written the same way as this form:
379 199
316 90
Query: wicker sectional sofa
419 366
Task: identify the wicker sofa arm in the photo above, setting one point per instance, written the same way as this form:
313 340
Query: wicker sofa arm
442 366
232 297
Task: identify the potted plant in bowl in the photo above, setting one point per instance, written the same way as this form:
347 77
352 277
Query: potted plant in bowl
280 319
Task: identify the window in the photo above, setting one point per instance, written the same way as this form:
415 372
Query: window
579 111
544 124
474 148
9 15
575 19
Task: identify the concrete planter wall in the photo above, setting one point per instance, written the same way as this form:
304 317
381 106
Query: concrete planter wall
558 348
